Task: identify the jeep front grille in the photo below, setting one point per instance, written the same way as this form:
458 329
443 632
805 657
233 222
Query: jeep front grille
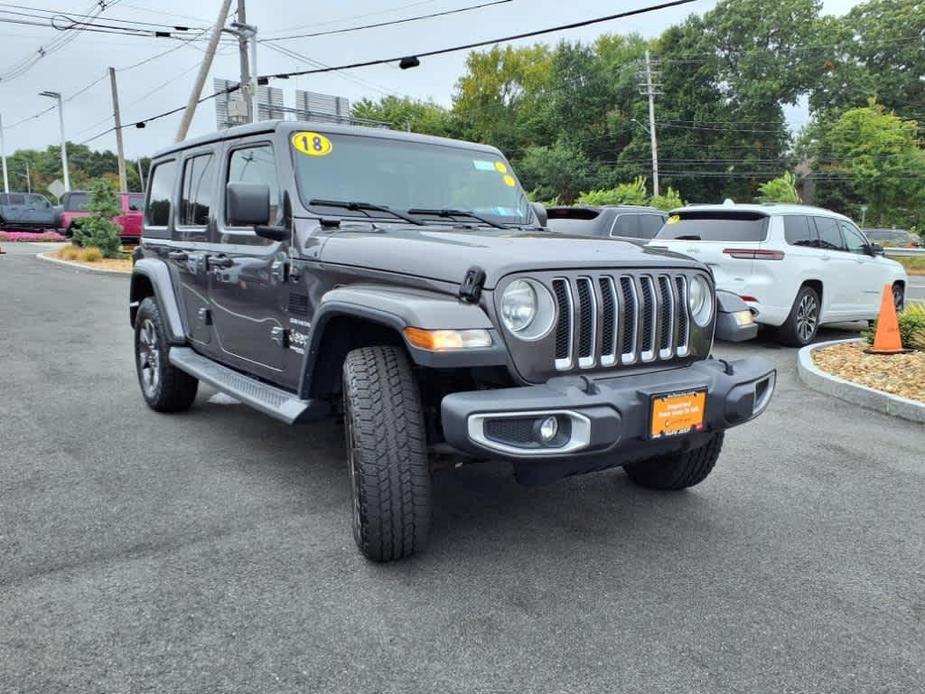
605 320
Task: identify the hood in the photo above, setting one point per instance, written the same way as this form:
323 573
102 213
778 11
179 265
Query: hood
444 253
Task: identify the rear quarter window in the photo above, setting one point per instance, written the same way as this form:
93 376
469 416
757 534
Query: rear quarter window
716 226
799 231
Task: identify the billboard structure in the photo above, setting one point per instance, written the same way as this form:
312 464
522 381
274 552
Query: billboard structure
230 109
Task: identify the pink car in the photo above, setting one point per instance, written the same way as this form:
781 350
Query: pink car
74 208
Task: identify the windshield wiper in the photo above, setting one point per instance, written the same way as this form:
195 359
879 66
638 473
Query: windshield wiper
354 206
456 213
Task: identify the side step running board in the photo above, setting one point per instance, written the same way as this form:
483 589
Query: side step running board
277 403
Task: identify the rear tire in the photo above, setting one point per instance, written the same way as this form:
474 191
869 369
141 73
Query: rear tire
164 387
802 324
679 470
386 453
899 297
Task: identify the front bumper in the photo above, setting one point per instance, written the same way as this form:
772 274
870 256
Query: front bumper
606 418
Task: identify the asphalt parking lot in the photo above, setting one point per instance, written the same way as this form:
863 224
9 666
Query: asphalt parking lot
212 551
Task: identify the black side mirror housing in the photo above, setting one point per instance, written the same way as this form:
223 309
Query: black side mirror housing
540 211
247 204
875 249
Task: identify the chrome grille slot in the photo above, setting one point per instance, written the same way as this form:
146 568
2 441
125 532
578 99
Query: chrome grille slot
648 318
630 323
683 319
565 324
587 322
608 321
666 323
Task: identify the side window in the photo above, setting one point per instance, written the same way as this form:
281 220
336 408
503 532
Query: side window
626 225
855 240
196 193
829 236
256 165
799 231
160 192
650 225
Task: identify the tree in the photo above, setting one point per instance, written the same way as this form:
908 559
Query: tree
781 189
98 230
874 158
669 200
404 113
560 171
623 194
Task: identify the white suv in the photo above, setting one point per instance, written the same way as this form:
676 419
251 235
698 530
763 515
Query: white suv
796 267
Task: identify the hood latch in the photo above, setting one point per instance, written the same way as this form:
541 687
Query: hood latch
470 290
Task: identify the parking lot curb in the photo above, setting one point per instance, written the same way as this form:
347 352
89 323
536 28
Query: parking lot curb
856 393
77 266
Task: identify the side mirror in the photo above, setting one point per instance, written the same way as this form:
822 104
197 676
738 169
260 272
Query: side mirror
540 211
247 204
875 249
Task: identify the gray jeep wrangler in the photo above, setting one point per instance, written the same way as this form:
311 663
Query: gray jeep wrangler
405 284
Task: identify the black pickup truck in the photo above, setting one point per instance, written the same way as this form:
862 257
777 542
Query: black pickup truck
405 284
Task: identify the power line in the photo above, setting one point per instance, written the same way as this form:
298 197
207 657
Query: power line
488 42
51 14
363 15
404 20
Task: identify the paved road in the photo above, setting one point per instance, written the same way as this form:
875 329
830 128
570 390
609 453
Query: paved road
916 288
211 551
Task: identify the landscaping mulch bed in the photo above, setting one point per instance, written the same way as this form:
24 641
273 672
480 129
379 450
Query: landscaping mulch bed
117 264
899 374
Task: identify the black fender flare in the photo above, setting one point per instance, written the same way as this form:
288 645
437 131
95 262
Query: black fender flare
397 308
157 274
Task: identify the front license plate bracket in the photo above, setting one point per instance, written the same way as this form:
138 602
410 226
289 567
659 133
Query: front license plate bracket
677 413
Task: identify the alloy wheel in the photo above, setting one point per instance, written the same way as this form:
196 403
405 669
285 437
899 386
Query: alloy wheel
807 318
149 358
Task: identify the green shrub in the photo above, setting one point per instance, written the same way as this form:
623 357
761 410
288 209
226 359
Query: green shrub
911 327
669 200
89 255
623 194
98 230
783 189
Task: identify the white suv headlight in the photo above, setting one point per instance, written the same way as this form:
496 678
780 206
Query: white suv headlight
700 300
527 309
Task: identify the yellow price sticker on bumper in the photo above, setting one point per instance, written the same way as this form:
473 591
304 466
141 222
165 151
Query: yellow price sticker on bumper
312 144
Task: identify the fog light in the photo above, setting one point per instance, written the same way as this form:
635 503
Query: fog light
549 428
743 318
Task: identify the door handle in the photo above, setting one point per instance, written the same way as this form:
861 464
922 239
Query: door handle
178 255
219 261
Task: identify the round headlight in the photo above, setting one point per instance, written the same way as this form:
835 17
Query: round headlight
700 300
527 309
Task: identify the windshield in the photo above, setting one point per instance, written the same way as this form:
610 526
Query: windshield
136 201
405 175
77 202
694 226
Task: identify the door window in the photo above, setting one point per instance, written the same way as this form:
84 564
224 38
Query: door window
196 196
256 165
830 237
160 193
854 239
799 231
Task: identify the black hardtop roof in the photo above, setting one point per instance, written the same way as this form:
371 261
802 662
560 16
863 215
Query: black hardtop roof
288 126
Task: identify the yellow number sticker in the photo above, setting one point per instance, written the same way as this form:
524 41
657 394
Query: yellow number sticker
499 165
509 180
312 144
673 219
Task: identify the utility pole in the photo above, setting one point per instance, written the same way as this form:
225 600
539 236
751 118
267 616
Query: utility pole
6 176
28 179
245 64
141 176
123 176
203 72
651 89
67 177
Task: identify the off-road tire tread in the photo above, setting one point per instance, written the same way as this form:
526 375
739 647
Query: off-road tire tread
678 470
177 389
787 333
392 470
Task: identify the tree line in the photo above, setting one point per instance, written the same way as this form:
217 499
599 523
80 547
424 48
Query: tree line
572 118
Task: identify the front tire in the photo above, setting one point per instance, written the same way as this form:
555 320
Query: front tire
678 470
802 324
386 453
164 387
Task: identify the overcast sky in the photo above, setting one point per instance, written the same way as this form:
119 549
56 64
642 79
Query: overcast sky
165 83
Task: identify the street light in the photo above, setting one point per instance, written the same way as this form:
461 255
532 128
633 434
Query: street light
67 178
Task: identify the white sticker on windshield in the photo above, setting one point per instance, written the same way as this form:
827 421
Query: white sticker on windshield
483 164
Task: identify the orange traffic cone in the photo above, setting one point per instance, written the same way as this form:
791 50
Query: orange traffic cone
887 339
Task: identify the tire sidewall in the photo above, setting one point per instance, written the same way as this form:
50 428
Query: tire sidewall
148 310
792 326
